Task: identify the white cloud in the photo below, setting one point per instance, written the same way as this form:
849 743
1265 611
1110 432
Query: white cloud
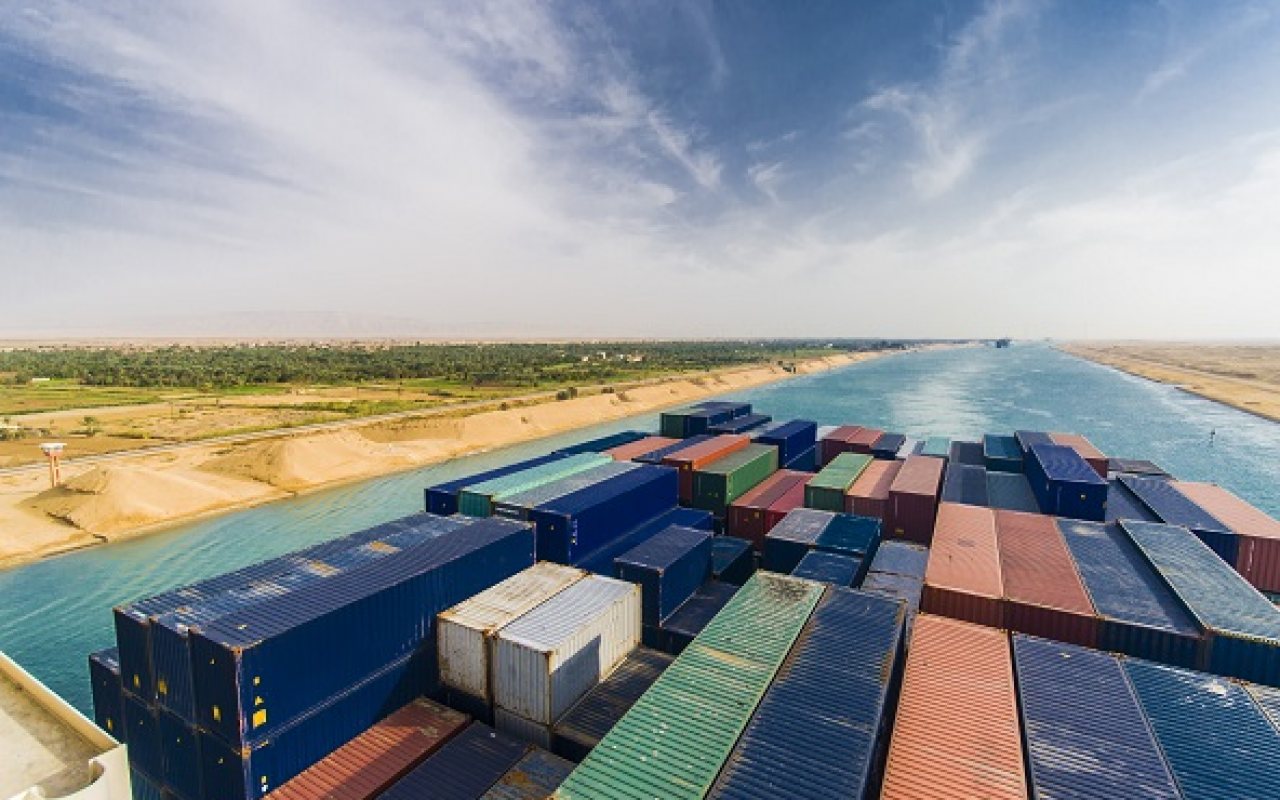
766 177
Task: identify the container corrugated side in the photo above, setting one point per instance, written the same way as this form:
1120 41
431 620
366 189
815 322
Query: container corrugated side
732 560
1026 439
1176 508
694 457
1086 449
1139 614
901 558
966 453
442 498
822 726
141 721
656 456
370 763
957 731
741 424
1010 491
1243 627
464 769
965 483
1268 699
851 535
789 501
548 658
913 498
1064 484
826 490
464 633
582 727
834 442
791 438
726 479
600 560
640 447
520 506
669 568
1001 453
833 568
1135 466
179 755
1042 590
1258 553
533 777
104 682
795 535
660 749
476 500
896 587
570 527
745 517
1124 504
683 627
963 580
602 443
1217 742
869 494
1086 735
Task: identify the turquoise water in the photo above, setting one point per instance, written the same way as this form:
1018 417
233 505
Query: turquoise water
57 611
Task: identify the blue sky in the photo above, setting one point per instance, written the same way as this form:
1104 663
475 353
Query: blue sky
1072 169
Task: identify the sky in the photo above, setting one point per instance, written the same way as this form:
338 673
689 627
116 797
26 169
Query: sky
640 168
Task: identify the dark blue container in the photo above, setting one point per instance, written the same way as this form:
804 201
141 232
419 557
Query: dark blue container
1175 508
1140 615
851 535
887 446
669 568
788 541
1085 732
741 424
1124 504
965 483
1011 492
1026 439
104 682
145 787
1064 484
1135 466
681 627
1243 626
464 769
906 588
180 756
145 751
257 669
534 777
822 727
735 408
833 568
1001 453
585 724
805 461
601 444
732 560
966 453
600 561
656 456
901 558
254 770
442 498
791 438
1268 699
694 420
572 526
1215 739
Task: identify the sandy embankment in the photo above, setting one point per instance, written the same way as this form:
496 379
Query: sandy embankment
138 494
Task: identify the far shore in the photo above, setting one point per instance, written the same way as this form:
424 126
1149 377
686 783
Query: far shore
137 494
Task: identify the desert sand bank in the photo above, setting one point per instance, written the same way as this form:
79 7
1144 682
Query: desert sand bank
137 494
1244 377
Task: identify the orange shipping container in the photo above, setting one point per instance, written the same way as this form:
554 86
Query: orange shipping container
962 580
957 733
640 447
1085 448
869 494
696 456
862 441
1258 558
1042 591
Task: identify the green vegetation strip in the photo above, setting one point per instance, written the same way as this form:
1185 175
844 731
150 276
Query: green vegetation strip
477 500
676 738
826 489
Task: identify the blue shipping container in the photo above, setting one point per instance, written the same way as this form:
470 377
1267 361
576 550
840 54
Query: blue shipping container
104 682
1140 616
1011 492
583 726
1026 439
442 498
1124 504
788 541
602 443
901 558
255 670
1135 466
898 587
851 535
681 627
572 526
1171 506
655 456
1086 734
741 424
966 453
887 446
669 568
179 756
791 438
143 727
464 769
732 560
518 506
805 461
1001 453
833 568
966 484
822 726
600 560
534 777
145 787
1064 484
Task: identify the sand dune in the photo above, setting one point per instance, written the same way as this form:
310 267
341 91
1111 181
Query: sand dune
299 463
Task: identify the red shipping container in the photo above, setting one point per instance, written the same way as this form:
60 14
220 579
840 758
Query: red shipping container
913 498
1043 593
640 447
864 440
1258 559
956 733
869 494
1086 450
792 499
745 518
369 764
696 456
835 443
962 580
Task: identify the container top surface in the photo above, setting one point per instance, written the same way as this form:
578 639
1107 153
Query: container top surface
1062 463
738 459
505 601
841 433
665 547
889 442
1214 592
533 777
656 456
957 732
965 554
1026 439
791 499
1036 566
465 768
851 533
1124 504
767 491
479 477
1171 505
1001 447
547 626
710 449
601 559
1136 466
1079 443
602 443
833 568
597 493
875 480
901 558
1230 509
538 475
108 658
966 452
628 451
865 437
920 475
937 446
1010 490
693 614
726 549
785 430
802 525
1267 698
965 483
900 587
568 484
743 423
841 472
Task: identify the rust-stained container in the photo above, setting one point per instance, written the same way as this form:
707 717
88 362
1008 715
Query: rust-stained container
746 515
694 457
1258 555
963 579
790 500
913 499
1086 449
957 733
1043 593
369 764
640 447
869 494
834 443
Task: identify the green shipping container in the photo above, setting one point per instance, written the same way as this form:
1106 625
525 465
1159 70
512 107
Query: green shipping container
477 500
937 446
721 482
825 491
675 739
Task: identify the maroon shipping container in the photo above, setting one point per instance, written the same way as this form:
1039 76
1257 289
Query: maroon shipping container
835 443
1043 593
962 580
745 518
640 447
369 764
869 494
913 499
696 456
1258 559
793 498
864 440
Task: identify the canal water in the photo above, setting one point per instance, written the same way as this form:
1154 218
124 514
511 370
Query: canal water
53 613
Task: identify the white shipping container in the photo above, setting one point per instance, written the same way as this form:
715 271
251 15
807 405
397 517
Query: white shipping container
550 657
465 633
